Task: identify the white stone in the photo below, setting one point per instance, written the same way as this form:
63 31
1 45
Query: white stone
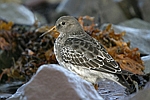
53 82
16 13
146 60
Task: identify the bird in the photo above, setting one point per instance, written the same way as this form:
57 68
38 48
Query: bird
82 54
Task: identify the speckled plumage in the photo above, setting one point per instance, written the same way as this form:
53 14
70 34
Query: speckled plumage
82 54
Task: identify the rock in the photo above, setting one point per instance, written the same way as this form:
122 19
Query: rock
136 23
29 2
139 38
10 87
45 8
102 10
4 96
145 6
110 90
141 95
11 1
16 13
53 82
130 8
146 60
41 19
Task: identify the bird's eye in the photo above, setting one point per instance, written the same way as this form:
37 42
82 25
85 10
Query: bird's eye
63 23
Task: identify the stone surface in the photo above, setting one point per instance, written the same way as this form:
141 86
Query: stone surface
110 90
146 60
4 96
11 1
16 13
35 1
145 7
10 87
130 8
136 23
141 95
102 10
53 82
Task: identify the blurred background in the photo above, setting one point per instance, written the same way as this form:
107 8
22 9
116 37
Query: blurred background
22 51
47 11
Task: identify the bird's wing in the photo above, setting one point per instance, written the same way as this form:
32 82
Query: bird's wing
88 54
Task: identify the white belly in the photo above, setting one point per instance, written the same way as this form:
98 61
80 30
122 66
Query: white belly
92 76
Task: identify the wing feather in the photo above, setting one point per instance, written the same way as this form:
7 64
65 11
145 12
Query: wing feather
91 54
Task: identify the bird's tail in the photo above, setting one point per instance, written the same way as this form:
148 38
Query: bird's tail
133 82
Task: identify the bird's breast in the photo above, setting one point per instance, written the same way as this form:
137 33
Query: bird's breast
58 45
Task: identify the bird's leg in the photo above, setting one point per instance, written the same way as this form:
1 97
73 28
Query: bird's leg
135 84
129 83
125 79
95 86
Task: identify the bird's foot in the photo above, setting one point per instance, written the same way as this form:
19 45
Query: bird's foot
96 86
136 86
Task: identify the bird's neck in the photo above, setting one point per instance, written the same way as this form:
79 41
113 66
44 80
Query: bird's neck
74 34
61 38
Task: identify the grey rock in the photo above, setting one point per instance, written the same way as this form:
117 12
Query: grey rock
145 7
110 90
35 1
40 18
136 23
3 96
10 87
146 60
16 13
11 1
53 82
130 8
106 10
141 95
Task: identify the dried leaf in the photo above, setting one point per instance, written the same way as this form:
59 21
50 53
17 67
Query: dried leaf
4 45
37 51
5 26
130 65
50 56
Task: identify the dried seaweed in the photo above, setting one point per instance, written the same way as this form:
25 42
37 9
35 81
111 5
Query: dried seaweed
35 50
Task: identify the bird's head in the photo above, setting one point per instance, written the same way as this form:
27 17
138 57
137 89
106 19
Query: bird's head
67 24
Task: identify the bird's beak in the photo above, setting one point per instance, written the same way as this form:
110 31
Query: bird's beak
49 31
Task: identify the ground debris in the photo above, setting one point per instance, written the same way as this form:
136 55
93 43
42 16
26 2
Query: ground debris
35 50
29 51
